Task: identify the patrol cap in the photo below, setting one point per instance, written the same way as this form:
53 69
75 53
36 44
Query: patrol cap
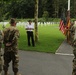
12 21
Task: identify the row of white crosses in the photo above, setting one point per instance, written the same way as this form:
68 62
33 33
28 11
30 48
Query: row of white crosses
23 24
4 24
47 23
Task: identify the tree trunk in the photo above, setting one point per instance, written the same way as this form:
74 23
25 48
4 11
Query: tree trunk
36 20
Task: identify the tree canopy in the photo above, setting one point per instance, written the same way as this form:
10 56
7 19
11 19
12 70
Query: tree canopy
26 8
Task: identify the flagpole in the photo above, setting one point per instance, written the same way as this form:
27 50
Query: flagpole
68 11
68 4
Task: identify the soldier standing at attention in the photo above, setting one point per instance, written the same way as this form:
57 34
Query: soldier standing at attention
1 60
74 52
11 36
71 33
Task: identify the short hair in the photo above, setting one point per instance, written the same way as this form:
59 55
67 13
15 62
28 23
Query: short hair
12 21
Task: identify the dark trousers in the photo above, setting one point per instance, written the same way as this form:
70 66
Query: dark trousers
30 38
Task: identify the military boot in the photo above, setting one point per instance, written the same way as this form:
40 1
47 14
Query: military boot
0 73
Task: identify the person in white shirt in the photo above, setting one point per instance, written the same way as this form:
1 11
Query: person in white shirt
30 36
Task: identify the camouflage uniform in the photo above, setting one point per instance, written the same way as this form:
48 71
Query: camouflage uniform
11 35
72 32
1 60
74 52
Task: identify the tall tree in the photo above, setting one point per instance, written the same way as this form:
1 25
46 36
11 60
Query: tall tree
56 8
25 8
36 20
1 10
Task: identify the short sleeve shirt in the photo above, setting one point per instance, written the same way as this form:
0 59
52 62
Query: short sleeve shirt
30 26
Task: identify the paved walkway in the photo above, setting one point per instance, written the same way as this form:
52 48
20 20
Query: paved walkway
36 63
65 49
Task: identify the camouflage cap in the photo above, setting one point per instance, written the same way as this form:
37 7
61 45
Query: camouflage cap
12 21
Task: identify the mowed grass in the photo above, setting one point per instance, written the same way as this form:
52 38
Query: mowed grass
49 39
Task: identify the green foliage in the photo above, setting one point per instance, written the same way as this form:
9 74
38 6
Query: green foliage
20 8
45 15
25 8
49 20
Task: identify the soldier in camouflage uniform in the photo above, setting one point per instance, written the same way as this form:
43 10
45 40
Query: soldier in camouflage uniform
71 33
11 36
1 60
74 52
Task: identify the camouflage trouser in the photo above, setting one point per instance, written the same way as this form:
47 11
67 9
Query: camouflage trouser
8 57
74 67
1 61
74 60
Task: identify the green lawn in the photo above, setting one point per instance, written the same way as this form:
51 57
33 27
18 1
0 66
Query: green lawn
50 38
